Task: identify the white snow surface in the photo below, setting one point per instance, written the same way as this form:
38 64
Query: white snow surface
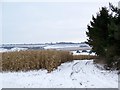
75 74
12 50
18 49
3 50
60 46
83 53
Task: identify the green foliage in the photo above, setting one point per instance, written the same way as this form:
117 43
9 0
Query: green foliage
98 32
104 35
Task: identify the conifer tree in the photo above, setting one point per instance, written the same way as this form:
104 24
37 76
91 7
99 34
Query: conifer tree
98 32
104 36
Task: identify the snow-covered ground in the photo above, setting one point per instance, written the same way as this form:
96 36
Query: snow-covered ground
68 47
76 74
49 47
3 50
11 50
61 46
83 53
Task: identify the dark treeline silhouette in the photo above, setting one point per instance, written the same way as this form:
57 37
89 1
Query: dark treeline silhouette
104 36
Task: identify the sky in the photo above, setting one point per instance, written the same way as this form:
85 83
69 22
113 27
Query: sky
45 22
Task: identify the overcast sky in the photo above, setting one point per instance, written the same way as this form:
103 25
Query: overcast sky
44 22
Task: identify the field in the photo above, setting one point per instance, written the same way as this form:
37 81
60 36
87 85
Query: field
37 59
74 74
53 69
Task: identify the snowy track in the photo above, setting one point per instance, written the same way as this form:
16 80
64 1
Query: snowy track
76 74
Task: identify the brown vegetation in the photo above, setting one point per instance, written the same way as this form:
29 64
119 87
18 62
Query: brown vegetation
32 60
82 57
37 59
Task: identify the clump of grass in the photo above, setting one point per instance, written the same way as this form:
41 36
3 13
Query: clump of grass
34 60
37 59
82 57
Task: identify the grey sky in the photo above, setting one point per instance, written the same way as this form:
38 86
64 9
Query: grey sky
40 22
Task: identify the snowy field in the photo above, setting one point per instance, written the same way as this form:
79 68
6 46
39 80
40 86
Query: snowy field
61 46
83 53
76 74
11 50
58 47
55 46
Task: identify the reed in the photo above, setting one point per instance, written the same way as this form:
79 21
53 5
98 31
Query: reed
83 57
37 59
34 60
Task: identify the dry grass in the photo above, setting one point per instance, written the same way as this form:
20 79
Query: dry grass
82 57
37 59
32 60
0 61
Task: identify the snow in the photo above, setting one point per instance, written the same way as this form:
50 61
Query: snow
12 49
82 53
3 50
61 46
75 74
18 49
68 47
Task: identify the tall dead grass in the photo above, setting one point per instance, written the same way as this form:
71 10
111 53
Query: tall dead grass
34 59
37 59
82 57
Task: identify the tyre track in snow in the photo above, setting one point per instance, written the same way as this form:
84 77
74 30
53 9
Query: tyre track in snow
76 74
77 69
86 73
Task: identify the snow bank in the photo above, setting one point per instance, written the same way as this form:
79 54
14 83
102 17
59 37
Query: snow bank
76 74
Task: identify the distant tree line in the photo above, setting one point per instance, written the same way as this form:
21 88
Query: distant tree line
104 36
